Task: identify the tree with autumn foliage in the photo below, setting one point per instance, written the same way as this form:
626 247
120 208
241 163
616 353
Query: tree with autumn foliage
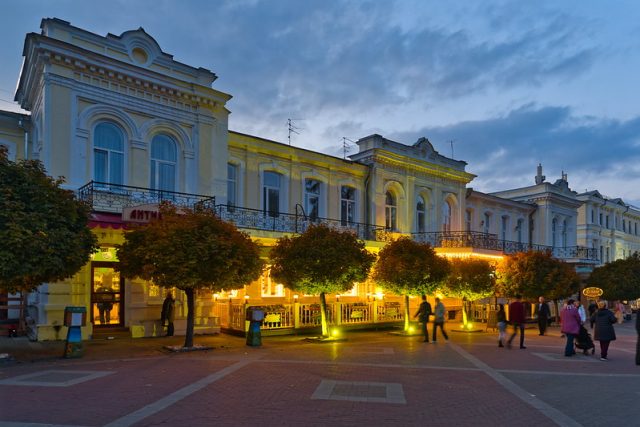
409 268
190 249
533 274
620 279
470 279
44 233
322 260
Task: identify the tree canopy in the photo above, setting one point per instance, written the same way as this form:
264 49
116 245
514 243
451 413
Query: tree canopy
44 234
534 273
619 279
471 278
190 249
409 268
321 260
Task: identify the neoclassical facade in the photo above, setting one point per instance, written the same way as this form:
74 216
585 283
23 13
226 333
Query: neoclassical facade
129 126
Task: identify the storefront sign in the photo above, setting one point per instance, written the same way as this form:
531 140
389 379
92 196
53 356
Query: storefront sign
141 213
592 292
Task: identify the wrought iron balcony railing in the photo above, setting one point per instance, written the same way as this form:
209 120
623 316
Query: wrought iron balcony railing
292 223
104 197
475 239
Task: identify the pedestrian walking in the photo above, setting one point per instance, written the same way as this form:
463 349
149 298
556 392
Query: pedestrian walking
638 340
438 320
168 313
570 320
543 313
423 313
501 319
517 319
604 332
581 311
593 307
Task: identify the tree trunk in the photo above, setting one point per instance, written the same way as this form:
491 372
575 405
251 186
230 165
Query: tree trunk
323 315
406 313
188 338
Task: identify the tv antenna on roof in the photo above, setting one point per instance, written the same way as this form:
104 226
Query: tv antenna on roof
292 129
346 145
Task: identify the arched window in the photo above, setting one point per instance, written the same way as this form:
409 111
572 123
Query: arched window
390 212
164 159
271 193
446 216
421 215
108 154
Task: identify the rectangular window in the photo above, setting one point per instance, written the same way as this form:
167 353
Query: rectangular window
519 230
312 198
503 231
467 220
232 184
347 205
271 194
593 213
390 218
600 223
487 223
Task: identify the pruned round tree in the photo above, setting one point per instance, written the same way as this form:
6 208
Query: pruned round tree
190 249
470 279
44 233
620 279
409 268
535 273
322 260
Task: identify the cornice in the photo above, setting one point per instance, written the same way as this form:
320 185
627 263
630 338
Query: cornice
427 170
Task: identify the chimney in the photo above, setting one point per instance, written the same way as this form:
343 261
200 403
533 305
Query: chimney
539 177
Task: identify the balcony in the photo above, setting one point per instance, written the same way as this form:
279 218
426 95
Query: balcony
257 219
104 197
486 241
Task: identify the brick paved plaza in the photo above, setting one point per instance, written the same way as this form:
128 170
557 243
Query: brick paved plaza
374 378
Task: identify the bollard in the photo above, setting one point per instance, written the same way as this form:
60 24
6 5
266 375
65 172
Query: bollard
74 319
255 316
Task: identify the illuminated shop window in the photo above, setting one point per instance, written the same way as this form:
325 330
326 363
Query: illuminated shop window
269 288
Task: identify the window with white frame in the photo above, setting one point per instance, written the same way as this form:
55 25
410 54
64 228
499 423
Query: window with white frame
312 198
271 193
486 228
347 205
519 229
164 161
232 184
390 212
421 215
446 216
503 227
108 154
468 222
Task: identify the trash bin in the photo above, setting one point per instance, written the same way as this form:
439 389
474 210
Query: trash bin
74 319
255 316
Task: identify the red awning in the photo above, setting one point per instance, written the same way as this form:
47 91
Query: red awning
106 220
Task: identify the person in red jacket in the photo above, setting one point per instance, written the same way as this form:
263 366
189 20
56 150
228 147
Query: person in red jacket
517 319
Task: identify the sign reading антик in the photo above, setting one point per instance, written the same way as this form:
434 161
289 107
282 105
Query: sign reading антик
141 213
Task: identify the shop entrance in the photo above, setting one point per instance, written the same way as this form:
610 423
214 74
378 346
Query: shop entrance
106 295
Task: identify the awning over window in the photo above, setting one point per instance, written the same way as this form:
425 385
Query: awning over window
106 220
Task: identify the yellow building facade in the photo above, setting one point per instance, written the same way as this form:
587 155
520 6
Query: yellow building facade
128 126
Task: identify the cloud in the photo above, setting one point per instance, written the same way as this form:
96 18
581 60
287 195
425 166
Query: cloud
504 151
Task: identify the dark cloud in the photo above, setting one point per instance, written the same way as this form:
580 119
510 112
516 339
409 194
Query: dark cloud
504 151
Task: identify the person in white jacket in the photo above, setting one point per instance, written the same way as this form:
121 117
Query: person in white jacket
581 311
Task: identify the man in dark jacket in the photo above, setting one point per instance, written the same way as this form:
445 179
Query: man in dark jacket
543 313
168 313
638 341
423 317
517 318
